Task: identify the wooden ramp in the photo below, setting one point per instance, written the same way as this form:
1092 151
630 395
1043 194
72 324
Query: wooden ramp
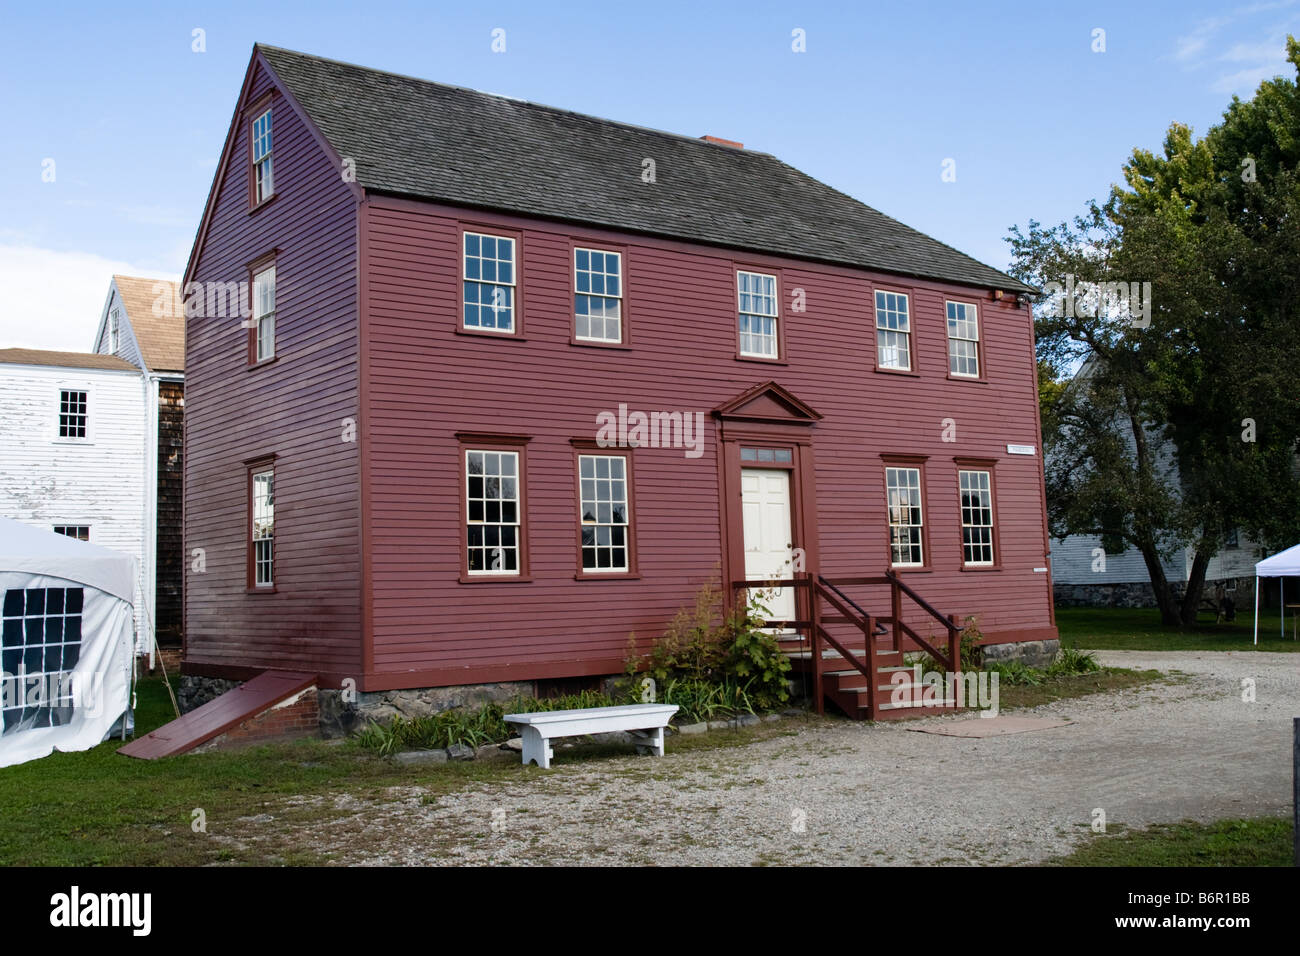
218 716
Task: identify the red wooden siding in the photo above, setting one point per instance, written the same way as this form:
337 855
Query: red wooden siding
424 383
293 408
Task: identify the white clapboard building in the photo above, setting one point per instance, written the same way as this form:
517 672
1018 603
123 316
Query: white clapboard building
79 440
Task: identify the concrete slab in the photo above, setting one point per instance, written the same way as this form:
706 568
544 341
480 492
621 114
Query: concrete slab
990 726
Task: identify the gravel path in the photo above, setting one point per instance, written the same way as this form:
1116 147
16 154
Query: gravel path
834 792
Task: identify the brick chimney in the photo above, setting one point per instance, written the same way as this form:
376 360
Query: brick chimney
723 142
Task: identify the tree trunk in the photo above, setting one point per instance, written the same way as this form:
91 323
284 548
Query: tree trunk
1195 584
1166 600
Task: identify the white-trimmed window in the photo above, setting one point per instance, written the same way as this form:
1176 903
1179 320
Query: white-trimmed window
262 528
963 340
489 282
74 413
493 508
603 512
976 517
79 531
264 314
893 331
906 521
756 293
597 295
263 184
113 317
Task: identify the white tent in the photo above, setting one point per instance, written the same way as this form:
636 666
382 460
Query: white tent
1281 565
66 645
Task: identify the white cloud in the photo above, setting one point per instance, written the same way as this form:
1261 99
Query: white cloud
53 299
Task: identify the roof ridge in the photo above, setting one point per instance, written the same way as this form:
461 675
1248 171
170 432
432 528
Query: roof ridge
697 140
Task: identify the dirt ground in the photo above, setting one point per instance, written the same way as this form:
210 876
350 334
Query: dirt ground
836 792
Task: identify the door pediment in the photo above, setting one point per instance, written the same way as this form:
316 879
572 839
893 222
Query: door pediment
768 402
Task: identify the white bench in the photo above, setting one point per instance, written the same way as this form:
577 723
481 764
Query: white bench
646 722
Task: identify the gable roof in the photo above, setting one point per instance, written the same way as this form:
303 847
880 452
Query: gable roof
443 143
160 332
65 359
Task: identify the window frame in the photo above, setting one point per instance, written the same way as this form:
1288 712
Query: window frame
253 468
913 358
260 266
981 372
491 442
778 283
114 329
916 463
988 466
253 114
619 249
583 447
75 537
87 438
494 232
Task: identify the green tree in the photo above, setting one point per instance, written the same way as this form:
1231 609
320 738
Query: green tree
1178 431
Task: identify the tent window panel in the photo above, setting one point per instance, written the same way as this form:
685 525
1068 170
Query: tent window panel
40 644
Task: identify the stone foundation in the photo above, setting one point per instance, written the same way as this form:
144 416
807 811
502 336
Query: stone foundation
1139 593
194 692
1030 653
340 717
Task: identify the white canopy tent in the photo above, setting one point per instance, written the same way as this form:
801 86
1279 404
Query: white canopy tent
66 642
1284 564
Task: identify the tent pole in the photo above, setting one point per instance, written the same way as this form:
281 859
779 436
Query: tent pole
1257 609
1281 604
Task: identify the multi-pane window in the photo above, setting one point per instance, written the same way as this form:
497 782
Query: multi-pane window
757 300
40 638
263 528
893 331
963 340
603 512
598 295
489 282
72 413
264 314
112 331
903 488
79 531
492 511
263 185
976 517
778 456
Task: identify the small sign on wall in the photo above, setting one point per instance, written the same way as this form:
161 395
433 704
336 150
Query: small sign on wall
1020 449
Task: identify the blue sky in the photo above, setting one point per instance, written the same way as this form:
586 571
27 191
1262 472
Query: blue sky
1036 122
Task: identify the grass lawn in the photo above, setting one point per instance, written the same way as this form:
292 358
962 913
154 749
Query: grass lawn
1012 696
1139 629
95 808
1265 841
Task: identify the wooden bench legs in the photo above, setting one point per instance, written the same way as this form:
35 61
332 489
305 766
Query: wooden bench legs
536 747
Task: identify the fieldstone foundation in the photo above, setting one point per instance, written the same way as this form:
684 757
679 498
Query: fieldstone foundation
193 692
1030 653
340 716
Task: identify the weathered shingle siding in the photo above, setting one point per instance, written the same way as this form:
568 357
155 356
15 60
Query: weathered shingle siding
99 482
293 408
425 382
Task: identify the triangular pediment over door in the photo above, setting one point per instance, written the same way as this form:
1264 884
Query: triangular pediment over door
768 402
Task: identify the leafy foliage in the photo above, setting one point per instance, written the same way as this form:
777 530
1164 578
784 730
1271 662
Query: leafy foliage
1147 446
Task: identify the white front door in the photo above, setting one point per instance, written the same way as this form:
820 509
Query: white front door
769 546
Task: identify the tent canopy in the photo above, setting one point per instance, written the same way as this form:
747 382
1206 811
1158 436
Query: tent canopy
37 551
1283 564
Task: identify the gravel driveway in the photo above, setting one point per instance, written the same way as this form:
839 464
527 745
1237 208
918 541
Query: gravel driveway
834 792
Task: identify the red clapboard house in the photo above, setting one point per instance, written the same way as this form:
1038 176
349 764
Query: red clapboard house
404 469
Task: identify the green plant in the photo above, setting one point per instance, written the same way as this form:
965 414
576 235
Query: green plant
1015 673
972 654
1071 660
713 663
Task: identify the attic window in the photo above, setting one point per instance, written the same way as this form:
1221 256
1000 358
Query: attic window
113 330
263 184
